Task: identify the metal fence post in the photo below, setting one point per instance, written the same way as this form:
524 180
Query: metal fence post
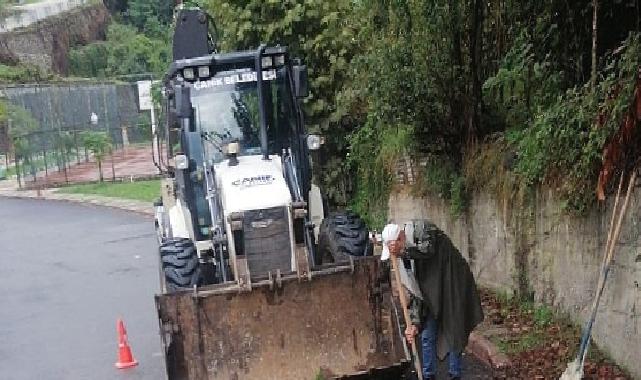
75 138
113 169
16 161
44 156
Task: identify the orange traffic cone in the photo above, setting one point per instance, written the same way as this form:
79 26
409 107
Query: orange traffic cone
125 358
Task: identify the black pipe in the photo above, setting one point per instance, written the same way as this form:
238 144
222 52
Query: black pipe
264 145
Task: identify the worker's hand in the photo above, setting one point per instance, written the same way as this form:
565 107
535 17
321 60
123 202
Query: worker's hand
410 333
395 248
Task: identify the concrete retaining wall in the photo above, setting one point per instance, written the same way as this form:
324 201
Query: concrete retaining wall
555 257
25 15
46 43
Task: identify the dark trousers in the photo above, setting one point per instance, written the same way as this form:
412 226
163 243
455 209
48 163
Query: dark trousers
428 344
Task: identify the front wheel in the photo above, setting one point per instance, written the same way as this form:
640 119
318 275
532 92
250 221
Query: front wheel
342 235
179 265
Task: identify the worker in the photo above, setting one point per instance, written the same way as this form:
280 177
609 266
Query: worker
445 305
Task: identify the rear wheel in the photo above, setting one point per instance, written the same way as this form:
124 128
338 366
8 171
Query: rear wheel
179 264
342 235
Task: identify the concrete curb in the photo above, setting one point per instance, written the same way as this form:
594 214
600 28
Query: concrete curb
486 351
138 207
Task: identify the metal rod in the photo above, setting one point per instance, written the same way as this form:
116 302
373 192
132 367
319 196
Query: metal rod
75 141
44 155
585 340
264 144
113 169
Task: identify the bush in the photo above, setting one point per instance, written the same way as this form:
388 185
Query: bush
564 145
375 152
21 74
125 52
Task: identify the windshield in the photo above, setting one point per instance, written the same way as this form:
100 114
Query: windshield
226 110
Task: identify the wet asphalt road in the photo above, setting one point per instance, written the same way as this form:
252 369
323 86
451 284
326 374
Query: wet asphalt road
67 272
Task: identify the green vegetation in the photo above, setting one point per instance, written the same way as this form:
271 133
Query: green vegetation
507 87
524 343
99 144
498 96
22 123
147 191
380 146
138 42
4 7
21 74
529 324
537 340
35 150
324 34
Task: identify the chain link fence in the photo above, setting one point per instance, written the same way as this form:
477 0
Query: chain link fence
75 133
72 155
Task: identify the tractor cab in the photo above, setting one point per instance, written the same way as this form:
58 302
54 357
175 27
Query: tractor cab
239 153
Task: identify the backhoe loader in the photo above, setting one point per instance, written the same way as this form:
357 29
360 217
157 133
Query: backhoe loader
258 280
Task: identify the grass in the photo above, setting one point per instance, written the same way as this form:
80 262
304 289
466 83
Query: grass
39 164
530 320
539 340
523 343
147 191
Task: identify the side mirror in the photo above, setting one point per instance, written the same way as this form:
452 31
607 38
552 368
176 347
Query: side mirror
300 81
182 98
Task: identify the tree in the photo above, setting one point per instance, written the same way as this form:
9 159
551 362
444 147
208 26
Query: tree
4 5
595 15
434 78
99 144
21 125
151 17
321 32
125 52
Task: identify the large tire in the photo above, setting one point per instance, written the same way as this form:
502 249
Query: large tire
342 235
179 263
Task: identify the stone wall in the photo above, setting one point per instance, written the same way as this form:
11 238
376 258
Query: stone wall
27 14
554 257
46 43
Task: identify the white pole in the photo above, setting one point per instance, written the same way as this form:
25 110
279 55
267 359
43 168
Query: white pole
154 140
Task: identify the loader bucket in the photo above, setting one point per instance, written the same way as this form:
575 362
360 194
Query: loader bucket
340 325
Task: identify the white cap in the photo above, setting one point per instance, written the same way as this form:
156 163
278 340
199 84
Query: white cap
389 234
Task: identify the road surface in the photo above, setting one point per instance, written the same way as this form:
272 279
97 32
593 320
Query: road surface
67 273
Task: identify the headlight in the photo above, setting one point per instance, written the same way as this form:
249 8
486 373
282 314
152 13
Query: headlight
267 62
188 73
231 148
314 142
182 162
203 72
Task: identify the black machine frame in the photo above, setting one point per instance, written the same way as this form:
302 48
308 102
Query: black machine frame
180 128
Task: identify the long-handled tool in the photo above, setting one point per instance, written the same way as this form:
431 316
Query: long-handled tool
574 371
406 316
